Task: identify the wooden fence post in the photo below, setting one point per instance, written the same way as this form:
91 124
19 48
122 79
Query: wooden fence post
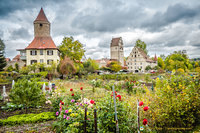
95 120
85 123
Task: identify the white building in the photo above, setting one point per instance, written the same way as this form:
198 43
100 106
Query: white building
138 60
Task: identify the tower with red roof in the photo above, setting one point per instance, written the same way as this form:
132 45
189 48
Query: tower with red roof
42 49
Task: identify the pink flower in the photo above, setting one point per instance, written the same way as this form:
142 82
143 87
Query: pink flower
140 103
77 103
72 100
57 113
60 108
68 118
64 116
146 108
66 111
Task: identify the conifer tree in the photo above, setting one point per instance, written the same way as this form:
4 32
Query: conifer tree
2 57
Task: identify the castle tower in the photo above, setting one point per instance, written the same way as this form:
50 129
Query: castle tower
41 25
117 50
42 49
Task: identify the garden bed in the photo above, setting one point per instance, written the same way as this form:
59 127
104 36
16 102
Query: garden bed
5 113
36 127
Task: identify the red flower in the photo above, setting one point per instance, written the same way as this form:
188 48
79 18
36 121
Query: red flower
146 108
115 93
140 103
120 97
72 94
62 103
81 88
71 89
145 121
92 101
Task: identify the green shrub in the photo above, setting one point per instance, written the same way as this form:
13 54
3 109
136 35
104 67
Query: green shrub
175 103
27 93
27 118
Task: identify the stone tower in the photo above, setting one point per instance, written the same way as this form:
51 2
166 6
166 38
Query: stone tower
41 25
117 50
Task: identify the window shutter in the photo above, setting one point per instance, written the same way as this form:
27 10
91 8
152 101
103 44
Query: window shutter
47 53
52 52
35 52
30 52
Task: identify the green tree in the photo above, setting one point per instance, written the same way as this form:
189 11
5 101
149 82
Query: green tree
90 65
2 57
142 45
67 66
148 68
161 63
114 66
10 68
176 61
16 67
71 48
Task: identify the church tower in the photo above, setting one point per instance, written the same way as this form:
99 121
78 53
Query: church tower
117 50
41 25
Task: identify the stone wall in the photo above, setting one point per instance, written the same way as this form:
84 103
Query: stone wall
12 63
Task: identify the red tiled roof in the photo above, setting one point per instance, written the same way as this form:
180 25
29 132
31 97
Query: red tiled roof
16 58
115 41
42 43
7 59
41 16
155 58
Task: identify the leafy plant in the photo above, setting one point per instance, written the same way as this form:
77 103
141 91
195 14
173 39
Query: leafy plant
27 93
27 118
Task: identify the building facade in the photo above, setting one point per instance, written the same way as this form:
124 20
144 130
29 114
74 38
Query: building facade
138 60
42 49
117 50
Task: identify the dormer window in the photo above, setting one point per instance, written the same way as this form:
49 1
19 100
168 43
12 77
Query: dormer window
40 25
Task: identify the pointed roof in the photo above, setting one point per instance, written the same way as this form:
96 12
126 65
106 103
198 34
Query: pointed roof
115 41
155 58
41 16
42 43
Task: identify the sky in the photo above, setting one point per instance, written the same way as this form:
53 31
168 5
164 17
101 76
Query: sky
164 25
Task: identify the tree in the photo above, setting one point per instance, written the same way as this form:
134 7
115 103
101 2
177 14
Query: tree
176 60
2 57
142 45
67 66
161 63
90 65
148 68
16 67
72 49
114 66
162 56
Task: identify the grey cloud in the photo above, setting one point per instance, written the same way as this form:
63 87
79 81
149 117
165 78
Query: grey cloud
20 33
173 14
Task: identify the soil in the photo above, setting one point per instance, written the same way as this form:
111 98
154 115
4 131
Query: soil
5 113
44 127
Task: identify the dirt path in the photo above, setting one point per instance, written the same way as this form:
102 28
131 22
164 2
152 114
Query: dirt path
29 128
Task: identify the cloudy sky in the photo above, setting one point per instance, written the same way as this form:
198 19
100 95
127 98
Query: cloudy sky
164 25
